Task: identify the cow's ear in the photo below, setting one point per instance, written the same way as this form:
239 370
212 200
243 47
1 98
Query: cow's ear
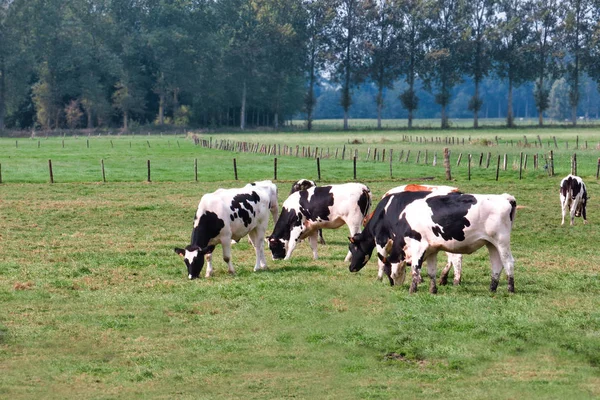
179 251
382 258
207 250
388 245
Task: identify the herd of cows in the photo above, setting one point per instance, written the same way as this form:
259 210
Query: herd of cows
409 226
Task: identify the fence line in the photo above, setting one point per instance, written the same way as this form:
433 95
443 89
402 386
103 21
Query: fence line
378 154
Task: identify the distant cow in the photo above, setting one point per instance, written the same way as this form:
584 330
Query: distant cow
328 207
223 216
304 184
573 193
415 226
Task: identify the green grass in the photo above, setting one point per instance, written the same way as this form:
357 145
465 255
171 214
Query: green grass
95 303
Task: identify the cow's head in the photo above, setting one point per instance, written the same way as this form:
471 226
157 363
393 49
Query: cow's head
193 256
278 247
361 250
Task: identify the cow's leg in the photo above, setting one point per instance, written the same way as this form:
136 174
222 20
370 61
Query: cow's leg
256 239
312 240
457 264
209 267
227 255
496 261
294 235
509 266
431 271
321 240
573 211
354 229
380 269
444 275
417 262
564 205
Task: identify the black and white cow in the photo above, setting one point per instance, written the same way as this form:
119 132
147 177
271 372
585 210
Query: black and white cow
223 216
327 207
414 226
454 261
304 184
573 194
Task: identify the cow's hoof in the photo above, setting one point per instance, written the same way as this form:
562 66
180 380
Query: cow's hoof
456 282
493 285
444 280
432 288
511 284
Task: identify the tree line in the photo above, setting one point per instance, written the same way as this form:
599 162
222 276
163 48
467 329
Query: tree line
212 63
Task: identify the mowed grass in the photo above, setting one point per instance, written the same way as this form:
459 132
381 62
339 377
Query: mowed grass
95 303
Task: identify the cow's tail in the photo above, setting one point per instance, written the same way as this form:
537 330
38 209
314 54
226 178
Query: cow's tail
513 206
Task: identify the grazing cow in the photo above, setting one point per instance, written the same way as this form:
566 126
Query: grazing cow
223 216
573 194
304 184
414 226
306 211
454 260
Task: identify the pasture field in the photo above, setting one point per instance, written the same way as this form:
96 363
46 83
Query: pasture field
94 303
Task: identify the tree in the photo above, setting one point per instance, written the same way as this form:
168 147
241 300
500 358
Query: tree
444 56
383 45
414 17
478 22
544 18
576 31
349 51
320 14
513 60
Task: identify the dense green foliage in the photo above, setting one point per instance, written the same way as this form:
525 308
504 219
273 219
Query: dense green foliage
89 63
95 303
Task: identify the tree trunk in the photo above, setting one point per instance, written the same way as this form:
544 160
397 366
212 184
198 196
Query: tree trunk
410 118
379 104
345 119
243 107
90 121
445 124
509 106
276 120
125 121
476 109
161 109
2 93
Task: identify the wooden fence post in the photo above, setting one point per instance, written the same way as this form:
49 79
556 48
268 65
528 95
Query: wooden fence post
275 169
354 162
50 169
574 164
459 158
391 159
469 162
498 168
319 168
598 169
195 169
149 171
447 164
235 169
1 172
103 174
551 162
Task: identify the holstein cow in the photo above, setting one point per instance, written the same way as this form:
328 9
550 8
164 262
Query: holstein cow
454 260
223 216
415 226
573 193
328 207
304 184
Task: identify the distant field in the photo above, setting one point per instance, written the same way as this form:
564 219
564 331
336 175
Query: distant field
95 303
